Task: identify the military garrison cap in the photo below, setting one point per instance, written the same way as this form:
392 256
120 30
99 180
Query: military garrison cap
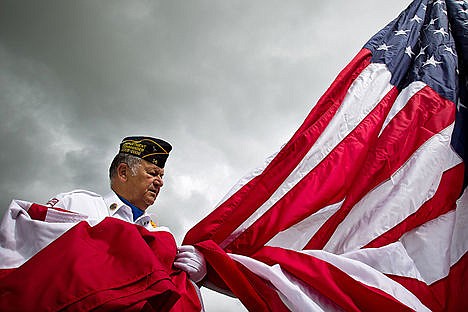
150 149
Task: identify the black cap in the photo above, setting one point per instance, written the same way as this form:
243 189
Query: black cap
150 149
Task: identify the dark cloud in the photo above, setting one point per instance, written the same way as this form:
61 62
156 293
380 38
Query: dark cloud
227 82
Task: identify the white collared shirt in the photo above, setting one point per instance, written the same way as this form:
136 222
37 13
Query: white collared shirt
97 208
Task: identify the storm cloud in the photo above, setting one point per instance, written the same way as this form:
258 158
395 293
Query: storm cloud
226 82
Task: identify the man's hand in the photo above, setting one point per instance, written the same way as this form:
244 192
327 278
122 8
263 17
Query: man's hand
190 260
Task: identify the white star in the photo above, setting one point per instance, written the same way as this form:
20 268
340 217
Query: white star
460 2
424 7
417 19
444 11
439 2
463 11
441 31
433 20
449 49
421 52
409 51
431 61
401 32
384 47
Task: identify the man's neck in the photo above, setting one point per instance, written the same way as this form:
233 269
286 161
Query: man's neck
136 212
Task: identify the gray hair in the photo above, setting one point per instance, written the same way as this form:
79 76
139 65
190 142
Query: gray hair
133 163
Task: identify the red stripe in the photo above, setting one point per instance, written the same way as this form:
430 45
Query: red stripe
420 290
228 216
447 294
38 212
330 281
454 287
335 94
442 202
425 114
5 272
313 192
94 267
63 210
251 290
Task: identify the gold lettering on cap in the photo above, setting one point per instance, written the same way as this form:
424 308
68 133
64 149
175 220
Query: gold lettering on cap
132 147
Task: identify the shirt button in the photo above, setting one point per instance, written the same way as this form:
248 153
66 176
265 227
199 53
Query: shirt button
113 206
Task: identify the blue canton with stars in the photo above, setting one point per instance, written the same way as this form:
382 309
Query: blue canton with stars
428 42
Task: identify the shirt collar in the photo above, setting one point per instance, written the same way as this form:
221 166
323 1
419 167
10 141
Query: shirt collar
136 212
115 204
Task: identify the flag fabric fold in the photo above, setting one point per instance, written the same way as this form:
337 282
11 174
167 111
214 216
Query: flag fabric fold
365 207
73 266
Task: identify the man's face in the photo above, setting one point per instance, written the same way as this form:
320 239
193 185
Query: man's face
143 187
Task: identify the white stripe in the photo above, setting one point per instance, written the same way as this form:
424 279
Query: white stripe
429 247
57 216
394 200
298 235
295 294
440 243
371 277
390 259
22 237
363 95
403 98
459 244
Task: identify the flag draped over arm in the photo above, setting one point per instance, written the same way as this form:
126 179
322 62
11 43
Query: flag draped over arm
365 207
53 260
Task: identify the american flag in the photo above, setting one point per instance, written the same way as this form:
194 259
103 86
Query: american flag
365 207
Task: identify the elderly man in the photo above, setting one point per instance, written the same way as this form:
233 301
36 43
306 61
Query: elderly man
136 177
84 251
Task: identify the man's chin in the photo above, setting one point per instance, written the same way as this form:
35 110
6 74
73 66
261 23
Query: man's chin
151 198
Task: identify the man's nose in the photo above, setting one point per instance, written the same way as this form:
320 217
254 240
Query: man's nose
158 181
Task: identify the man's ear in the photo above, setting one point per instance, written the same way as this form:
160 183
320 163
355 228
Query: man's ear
122 172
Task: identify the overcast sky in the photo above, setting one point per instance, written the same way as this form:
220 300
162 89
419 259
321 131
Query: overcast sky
226 82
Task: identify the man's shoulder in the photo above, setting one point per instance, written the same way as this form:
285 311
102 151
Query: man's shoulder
81 201
73 195
81 192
